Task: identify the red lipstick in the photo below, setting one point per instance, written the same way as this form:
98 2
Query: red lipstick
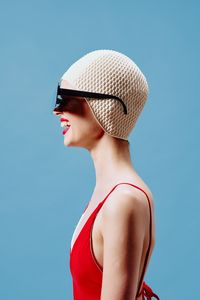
64 120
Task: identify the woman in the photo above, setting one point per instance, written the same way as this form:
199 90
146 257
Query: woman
99 100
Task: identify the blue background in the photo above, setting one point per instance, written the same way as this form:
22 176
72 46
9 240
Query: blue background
45 186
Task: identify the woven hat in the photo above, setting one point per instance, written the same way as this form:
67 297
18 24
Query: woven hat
111 72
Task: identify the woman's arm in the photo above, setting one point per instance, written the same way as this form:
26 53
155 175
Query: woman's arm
124 219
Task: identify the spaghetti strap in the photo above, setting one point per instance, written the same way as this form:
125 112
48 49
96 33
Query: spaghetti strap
146 291
150 229
150 232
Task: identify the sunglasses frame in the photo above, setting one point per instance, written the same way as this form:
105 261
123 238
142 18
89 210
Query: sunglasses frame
77 93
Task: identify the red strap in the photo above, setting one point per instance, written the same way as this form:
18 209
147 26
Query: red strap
148 250
146 290
148 293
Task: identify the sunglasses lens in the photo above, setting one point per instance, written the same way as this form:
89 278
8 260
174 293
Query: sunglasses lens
66 102
59 101
60 107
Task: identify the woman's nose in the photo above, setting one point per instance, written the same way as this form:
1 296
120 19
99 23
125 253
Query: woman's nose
57 113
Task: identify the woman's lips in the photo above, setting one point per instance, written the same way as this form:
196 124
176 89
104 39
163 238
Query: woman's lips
64 123
65 130
63 120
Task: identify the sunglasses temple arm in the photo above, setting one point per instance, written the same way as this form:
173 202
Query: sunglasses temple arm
91 95
101 96
124 106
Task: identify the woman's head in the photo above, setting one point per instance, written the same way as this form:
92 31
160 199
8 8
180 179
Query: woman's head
112 73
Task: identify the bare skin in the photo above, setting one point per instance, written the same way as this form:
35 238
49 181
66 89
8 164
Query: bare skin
113 164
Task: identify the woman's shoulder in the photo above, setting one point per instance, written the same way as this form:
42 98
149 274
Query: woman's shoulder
134 186
133 199
130 193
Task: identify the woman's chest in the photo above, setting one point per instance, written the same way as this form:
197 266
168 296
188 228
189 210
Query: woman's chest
91 216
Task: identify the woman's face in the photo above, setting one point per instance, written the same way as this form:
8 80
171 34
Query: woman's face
84 129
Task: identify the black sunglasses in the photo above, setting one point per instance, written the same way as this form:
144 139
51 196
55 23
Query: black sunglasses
69 92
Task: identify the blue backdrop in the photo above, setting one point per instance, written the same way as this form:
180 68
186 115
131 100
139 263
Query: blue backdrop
45 186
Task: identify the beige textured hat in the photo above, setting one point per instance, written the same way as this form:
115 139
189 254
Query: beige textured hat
111 72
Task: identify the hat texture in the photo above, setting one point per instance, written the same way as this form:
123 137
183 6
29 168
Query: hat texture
111 72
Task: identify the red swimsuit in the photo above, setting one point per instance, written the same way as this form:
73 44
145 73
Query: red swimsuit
86 271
